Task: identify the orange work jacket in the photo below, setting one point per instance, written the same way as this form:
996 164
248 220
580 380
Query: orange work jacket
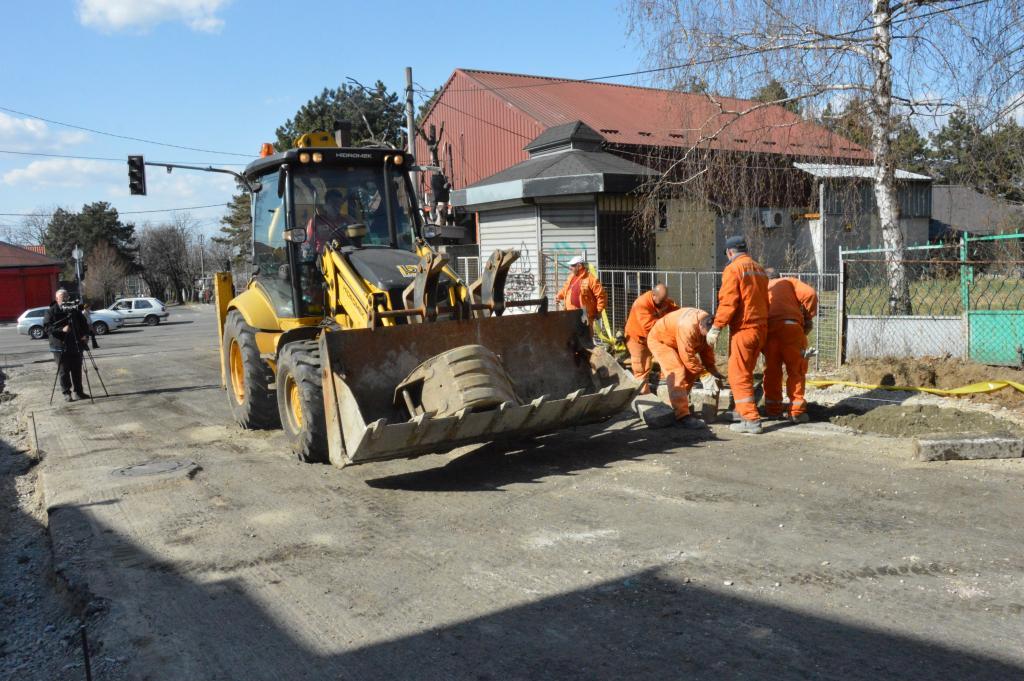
644 314
790 299
743 297
681 330
593 299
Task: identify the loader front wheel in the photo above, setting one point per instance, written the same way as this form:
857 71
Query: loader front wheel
300 400
253 403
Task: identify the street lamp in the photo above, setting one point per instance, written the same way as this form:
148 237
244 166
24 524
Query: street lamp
77 255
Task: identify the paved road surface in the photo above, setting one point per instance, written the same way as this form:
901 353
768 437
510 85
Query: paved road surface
601 553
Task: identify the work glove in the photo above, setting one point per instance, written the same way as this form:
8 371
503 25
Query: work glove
713 336
710 383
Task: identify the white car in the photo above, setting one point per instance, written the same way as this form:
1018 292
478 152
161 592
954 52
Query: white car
149 311
103 321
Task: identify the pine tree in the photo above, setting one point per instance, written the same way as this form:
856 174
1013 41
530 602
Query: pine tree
377 116
774 91
98 222
236 227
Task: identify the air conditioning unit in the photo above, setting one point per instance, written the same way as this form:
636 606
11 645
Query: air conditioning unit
771 218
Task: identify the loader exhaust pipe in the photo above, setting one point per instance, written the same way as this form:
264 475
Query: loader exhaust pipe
343 133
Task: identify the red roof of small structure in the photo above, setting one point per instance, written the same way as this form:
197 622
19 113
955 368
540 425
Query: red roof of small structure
631 115
16 256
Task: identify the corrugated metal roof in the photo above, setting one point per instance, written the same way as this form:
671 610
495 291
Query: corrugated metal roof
826 170
16 256
626 114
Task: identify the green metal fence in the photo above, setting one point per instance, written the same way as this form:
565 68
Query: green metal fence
966 299
992 294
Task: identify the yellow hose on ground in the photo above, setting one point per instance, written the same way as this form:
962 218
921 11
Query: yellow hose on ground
973 388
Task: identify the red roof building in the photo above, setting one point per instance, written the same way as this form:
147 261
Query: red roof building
489 117
27 279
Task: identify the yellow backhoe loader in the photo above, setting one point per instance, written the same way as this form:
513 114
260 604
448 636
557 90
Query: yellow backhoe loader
357 338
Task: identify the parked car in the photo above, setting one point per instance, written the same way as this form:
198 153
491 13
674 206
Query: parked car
31 322
149 311
103 321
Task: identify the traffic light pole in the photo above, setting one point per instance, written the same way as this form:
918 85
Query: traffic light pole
137 174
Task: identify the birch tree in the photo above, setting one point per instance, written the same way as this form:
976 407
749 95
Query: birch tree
907 59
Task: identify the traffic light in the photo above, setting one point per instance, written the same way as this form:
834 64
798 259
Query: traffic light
136 175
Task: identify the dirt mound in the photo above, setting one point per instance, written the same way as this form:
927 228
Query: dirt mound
909 421
942 373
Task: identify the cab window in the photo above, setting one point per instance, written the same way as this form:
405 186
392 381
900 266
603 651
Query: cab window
270 250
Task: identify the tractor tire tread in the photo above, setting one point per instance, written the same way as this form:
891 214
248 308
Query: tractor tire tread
259 409
302 359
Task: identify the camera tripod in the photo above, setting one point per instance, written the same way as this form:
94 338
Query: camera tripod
82 350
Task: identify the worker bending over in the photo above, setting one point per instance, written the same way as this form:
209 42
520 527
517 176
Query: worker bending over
647 309
792 305
680 344
583 291
743 306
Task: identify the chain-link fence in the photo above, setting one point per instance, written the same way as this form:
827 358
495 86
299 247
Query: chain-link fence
958 299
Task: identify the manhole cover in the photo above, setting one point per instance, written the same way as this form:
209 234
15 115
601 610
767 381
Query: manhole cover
154 468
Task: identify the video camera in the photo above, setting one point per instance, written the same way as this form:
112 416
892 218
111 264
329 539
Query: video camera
69 306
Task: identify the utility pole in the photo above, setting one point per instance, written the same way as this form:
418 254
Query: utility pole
410 126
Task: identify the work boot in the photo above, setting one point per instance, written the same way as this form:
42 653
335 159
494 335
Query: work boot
691 422
68 397
731 417
83 395
749 427
799 418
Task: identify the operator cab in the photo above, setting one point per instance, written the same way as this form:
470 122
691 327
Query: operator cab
360 199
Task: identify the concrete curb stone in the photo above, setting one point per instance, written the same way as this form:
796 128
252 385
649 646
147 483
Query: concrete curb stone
953 446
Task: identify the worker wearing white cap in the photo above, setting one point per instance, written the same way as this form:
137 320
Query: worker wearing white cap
583 291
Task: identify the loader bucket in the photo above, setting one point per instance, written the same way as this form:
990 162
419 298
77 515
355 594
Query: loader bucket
556 384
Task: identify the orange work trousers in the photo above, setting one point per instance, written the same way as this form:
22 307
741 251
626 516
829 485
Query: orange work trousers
745 346
784 348
640 360
677 378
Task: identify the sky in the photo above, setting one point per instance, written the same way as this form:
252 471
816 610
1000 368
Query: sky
221 75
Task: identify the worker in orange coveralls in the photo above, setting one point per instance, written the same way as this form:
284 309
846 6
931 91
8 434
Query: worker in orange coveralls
647 309
583 291
743 306
679 343
792 305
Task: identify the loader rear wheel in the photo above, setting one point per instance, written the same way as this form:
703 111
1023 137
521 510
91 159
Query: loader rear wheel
300 400
253 403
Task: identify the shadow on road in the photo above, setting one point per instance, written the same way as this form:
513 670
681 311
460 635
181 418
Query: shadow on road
497 464
649 625
186 321
161 391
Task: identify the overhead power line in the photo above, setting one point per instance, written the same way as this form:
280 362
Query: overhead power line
122 212
551 82
123 137
101 158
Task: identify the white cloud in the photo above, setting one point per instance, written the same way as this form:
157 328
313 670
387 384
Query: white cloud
29 134
64 172
141 15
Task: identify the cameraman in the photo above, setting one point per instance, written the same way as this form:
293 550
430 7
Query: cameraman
69 333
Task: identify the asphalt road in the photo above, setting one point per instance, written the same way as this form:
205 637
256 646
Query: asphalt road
609 552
